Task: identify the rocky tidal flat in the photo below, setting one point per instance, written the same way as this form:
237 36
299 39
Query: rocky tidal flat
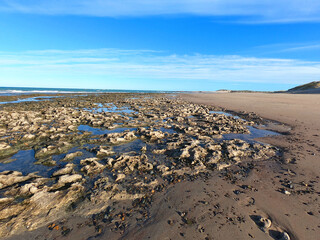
103 157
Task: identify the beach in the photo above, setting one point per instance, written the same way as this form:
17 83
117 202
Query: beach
300 145
160 166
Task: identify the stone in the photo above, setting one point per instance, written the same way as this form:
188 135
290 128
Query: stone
92 166
63 171
4 146
120 177
71 156
162 168
28 137
105 151
6 200
145 167
9 178
65 179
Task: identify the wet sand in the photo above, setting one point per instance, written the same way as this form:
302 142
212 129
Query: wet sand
199 186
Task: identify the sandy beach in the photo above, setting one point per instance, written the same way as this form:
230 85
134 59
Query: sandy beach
301 149
161 166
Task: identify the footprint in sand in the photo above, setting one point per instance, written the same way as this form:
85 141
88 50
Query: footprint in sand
279 235
265 224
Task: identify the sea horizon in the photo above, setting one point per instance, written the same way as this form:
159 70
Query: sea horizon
7 91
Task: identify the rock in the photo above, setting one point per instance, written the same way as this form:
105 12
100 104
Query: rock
63 171
11 211
154 135
72 128
29 189
65 179
159 151
116 138
144 148
130 136
9 178
6 200
212 161
145 167
120 176
185 153
105 151
162 168
92 166
130 162
4 146
286 192
46 162
222 166
72 156
199 153
6 150
28 137
53 149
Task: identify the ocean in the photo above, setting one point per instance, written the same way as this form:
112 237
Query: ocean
9 91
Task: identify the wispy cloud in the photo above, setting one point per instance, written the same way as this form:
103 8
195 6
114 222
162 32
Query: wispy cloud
288 49
101 66
308 47
250 11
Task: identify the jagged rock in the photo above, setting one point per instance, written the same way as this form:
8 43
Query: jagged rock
65 179
4 146
63 171
154 135
128 162
31 188
120 176
53 149
116 138
145 167
28 137
6 200
159 151
10 211
92 166
221 166
9 178
71 156
199 153
105 151
162 168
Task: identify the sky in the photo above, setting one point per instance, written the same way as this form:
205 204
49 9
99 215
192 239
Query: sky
187 45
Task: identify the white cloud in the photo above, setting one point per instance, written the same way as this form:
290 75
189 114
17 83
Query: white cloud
250 11
123 65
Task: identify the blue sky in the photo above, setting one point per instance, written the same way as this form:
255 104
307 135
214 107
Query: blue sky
159 45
